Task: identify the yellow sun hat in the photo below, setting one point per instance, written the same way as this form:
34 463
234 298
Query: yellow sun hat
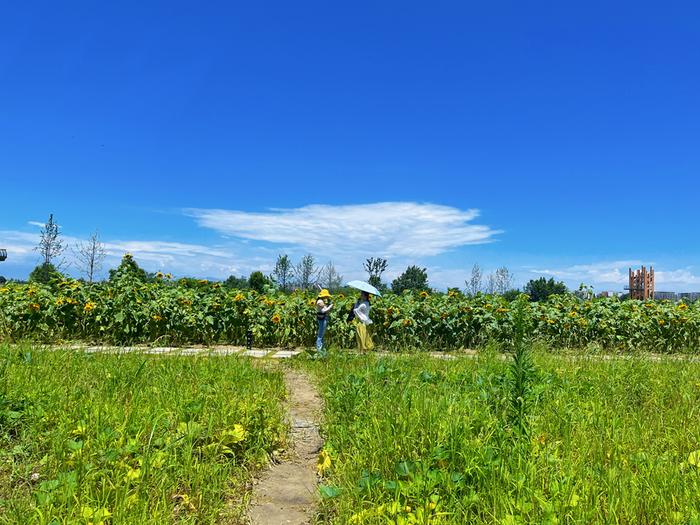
324 293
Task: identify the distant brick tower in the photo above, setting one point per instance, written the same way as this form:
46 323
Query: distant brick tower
641 284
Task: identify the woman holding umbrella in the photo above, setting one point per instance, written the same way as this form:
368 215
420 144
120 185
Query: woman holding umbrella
362 321
361 318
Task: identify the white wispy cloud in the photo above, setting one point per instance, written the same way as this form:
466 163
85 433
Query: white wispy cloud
177 257
389 229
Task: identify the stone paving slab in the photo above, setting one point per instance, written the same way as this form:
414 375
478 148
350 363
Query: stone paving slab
256 353
285 354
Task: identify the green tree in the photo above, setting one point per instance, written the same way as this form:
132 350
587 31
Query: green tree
474 282
306 272
237 283
511 295
413 278
540 289
44 273
375 267
283 272
128 268
50 244
257 281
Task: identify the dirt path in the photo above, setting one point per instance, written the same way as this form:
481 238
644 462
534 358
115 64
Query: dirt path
286 493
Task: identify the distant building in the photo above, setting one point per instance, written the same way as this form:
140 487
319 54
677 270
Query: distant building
641 284
666 296
689 296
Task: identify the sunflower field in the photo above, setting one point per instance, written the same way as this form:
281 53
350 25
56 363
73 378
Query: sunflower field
126 310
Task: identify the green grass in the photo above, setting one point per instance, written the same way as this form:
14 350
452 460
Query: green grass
88 438
419 440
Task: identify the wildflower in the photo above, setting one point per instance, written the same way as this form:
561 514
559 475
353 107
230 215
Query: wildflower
407 322
156 317
159 275
573 314
127 255
682 306
203 281
59 301
424 294
239 297
341 296
4 289
235 435
276 319
35 307
89 306
324 462
488 306
550 321
451 293
661 322
269 302
168 275
502 310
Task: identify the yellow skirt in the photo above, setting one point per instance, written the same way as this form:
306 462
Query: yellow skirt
364 340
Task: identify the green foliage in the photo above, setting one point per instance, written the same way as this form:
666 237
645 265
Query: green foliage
540 289
88 438
44 274
414 278
511 295
522 369
237 283
50 244
283 272
609 441
375 267
128 270
257 281
189 311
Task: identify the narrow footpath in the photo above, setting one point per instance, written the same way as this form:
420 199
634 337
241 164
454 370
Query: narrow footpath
287 492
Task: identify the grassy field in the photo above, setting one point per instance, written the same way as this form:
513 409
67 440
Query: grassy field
90 438
417 440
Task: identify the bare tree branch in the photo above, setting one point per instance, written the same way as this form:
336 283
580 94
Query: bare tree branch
90 255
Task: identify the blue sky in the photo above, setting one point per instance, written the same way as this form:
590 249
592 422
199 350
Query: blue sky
554 138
